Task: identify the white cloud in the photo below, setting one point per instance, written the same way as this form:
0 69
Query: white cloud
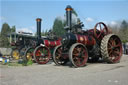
113 23
24 30
2 18
33 28
89 19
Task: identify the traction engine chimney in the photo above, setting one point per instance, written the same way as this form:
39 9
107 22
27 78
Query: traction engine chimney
69 16
38 20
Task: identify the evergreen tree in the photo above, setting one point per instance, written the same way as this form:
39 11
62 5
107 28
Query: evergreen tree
13 29
4 42
123 33
124 24
58 27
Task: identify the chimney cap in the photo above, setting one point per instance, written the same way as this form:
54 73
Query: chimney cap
38 19
68 8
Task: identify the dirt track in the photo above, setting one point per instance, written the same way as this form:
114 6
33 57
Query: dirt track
50 74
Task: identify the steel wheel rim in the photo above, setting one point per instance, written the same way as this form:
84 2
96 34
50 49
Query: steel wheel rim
79 56
102 30
42 55
58 56
114 49
29 54
15 54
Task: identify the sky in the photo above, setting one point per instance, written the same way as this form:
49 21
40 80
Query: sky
23 13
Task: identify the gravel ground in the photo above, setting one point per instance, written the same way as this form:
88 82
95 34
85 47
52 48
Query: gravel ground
50 74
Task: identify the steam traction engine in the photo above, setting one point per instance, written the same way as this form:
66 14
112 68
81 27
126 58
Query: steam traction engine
19 43
41 51
78 46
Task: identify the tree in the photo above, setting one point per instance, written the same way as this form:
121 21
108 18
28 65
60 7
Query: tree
124 31
13 29
124 24
44 33
58 27
4 42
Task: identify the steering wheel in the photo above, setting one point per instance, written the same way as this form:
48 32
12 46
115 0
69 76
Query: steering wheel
100 30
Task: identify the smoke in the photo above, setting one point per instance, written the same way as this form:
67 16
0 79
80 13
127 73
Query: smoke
89 19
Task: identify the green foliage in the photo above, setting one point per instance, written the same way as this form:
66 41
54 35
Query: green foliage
58 27
5 29
123 33
13 29
4 42
44 33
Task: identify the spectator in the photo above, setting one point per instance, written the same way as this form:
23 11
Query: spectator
0 54
124 47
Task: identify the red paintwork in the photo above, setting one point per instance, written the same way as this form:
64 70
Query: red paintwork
49 43
39 56
84 40
112 54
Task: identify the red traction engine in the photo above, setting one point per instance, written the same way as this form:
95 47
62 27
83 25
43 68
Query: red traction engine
79 46
43 47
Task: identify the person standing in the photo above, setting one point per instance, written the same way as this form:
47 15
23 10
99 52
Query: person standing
124 48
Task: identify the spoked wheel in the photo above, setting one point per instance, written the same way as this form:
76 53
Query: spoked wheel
100 30
78 55
15 54
42 55
111 48
58 58
29 54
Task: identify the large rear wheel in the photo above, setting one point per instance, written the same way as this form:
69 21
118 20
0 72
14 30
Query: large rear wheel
42 54
111 48
78 55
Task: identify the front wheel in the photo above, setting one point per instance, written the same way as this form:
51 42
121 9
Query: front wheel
29 54
58 57
78 55
42 54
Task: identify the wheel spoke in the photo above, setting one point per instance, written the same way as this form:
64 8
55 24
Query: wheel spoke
118 45
110 52
99 35
77 54
117 52
100 27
